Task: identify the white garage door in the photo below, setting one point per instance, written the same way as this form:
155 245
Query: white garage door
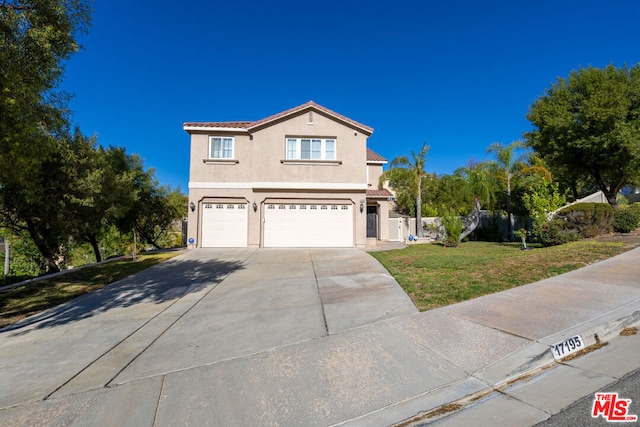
308 225
224 225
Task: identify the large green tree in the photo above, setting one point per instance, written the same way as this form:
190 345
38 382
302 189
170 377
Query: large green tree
39 207
589 125
36 37
406 174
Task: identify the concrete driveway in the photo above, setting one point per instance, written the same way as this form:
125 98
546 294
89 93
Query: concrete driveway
312 337
200 308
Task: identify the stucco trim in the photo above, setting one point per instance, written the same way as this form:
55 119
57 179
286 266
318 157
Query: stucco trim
221 161
310 186
311 162
219 185
280 185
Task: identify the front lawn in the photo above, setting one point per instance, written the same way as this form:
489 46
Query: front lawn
435 276
23 301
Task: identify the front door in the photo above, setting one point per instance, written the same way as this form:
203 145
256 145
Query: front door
372 221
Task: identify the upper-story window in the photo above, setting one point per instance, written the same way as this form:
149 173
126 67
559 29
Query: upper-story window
220 147
311 149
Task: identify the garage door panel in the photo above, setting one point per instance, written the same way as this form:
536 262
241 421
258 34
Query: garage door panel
224 225
307 225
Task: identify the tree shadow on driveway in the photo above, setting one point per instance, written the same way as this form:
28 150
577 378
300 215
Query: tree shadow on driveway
157 285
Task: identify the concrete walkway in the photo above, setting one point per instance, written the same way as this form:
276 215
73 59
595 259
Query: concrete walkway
304 337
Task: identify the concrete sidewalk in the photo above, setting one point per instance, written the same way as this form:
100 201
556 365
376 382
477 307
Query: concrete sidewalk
300 337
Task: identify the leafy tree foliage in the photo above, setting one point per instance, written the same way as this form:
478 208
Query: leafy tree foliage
162 206
26 261
447 192
59 187
36 36
589 126
541 200
37 207
479 185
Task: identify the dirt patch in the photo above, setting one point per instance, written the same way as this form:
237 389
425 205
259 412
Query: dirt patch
630 239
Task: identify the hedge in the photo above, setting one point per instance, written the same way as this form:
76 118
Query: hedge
627 218
577 222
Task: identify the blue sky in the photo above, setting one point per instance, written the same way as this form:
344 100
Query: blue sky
458 74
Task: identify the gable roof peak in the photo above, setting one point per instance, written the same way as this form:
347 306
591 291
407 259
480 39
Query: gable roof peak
317 107
249 126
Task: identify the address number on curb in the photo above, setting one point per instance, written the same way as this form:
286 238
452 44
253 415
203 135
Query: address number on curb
567 347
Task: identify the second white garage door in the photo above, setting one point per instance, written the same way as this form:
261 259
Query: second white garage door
308 225
224 225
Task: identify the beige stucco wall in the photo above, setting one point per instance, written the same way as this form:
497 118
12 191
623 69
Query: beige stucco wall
261 174
373 175
269 151
260 154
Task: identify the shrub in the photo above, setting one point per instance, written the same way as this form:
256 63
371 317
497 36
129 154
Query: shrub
627 218
452 224
588 219
557 232
576 222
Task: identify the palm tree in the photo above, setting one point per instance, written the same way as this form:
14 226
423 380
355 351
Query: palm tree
410 170
478 183
507 165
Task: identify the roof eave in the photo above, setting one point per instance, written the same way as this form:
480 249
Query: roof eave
191 128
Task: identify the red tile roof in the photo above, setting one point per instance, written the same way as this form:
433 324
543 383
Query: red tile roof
379 193
218 124
301 108
372 156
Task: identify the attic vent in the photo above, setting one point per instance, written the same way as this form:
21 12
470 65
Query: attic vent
310 117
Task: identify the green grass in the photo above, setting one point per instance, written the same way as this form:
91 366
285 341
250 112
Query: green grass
18 303
435 276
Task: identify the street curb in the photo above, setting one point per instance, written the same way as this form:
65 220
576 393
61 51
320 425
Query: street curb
520 365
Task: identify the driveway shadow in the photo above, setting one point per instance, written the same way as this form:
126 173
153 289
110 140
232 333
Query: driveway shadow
161 283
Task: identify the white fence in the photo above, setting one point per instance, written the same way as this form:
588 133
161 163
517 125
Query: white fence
401 228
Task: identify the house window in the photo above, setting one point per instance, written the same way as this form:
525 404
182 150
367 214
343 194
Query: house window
311 149
220 147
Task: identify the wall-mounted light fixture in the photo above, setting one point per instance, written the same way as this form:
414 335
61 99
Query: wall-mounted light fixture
192 206
361 206
255 207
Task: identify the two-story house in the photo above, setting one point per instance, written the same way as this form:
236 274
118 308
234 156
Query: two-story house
300 178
